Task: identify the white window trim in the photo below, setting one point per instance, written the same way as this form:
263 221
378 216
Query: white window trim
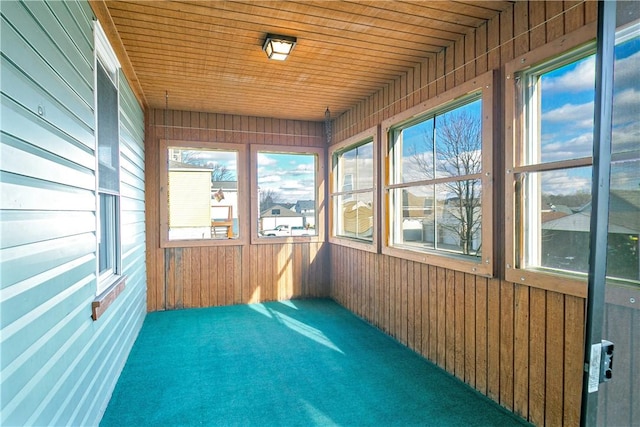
370 246
485 264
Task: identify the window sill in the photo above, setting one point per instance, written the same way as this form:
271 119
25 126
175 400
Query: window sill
105 299
565 283
363 245
446 260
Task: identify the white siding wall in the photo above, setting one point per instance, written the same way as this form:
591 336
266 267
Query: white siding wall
58 367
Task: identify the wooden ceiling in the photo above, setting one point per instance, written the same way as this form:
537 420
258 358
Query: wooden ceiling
207 55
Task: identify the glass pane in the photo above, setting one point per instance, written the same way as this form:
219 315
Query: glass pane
459 217
287 194
413 153
623 254
364 161
457 150
556 215
108 234
459 141
354 216
412 207
203 194
565 114
355 168
108 144
444 217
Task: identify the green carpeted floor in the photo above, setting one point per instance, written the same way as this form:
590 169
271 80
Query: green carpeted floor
295 363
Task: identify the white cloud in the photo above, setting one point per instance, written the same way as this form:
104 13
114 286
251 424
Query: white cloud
564 182
265 160
582 77
573 115
563 149
627 72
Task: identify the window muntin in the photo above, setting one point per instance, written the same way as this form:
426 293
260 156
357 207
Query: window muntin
202 194
288 193
436 181
353 193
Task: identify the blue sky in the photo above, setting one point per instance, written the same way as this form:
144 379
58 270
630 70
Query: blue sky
290 176
568 115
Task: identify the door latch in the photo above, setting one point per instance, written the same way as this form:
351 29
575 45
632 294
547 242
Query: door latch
606 361
600 364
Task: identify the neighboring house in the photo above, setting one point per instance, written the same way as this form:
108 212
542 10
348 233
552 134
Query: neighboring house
307 208
189 196
565 239
279 215
61 255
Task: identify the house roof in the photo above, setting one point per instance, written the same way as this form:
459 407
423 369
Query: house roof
179 166
346 51
225 185
305 205
624 206
284 212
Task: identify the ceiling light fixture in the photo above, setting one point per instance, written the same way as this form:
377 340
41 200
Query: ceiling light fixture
278 47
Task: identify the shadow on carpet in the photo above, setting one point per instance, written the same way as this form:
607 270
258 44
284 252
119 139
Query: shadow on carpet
293 363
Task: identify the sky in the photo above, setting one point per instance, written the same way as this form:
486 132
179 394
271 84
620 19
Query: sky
290 176
568 116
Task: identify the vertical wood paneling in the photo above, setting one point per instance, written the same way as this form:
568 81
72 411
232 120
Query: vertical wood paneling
555 358
506 344
470 329
574 315
520 346
521 351
201 277
537 355
493 339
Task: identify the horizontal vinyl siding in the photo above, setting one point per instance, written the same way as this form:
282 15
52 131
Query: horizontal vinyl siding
58 367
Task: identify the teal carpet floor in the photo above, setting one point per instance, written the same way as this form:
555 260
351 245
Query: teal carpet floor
294 363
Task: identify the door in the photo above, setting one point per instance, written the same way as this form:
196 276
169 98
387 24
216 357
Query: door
611 394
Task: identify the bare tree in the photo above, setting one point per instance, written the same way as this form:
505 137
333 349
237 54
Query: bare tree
220 172
268 198
455 150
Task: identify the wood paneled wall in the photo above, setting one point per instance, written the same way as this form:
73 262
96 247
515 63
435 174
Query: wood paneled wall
521 346
526 26
224 275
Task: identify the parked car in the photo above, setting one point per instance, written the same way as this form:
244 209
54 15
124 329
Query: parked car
286 230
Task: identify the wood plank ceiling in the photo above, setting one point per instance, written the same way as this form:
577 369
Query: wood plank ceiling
207 55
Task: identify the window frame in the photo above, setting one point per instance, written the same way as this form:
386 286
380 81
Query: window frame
485 85
105 57
243 226
321 191
371 134
572 283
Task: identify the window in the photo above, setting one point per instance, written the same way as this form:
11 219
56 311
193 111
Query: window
548 162
288 195
439 180
550 172
353 191
203 194
108 159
